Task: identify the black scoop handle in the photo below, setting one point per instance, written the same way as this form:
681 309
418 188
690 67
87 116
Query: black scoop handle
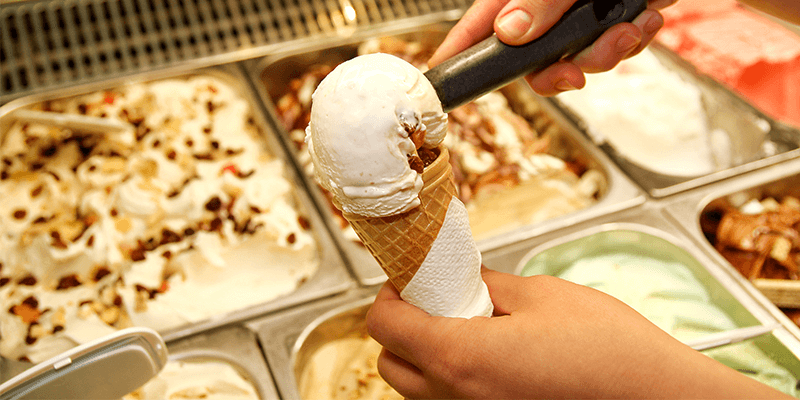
491 64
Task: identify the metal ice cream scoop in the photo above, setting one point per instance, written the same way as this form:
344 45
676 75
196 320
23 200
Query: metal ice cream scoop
491 64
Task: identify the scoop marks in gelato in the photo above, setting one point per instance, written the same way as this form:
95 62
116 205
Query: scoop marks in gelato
366 116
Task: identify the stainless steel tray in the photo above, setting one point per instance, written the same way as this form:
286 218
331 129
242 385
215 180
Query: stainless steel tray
234 345
701 320
554 255
730 294
649 218
685 211
288 339
274 73
756 140
332 275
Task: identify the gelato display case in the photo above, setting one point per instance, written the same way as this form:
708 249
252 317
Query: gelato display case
155 176
519 167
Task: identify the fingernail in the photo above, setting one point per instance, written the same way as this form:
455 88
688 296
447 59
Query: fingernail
652 25
515 24
626 43
564 86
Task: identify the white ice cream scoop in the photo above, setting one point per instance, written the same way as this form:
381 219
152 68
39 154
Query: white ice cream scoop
364 117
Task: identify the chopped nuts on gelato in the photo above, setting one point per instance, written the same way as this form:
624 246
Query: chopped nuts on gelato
182 217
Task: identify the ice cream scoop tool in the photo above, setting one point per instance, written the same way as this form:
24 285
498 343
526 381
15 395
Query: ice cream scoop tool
491 64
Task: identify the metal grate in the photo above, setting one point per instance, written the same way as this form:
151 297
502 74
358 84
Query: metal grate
54 44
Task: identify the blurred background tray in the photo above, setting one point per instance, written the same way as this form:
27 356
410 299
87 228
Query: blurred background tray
233 345
289 340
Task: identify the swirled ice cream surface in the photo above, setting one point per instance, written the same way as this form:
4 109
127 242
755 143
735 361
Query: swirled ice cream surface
184 217
187 380
363 116
650 115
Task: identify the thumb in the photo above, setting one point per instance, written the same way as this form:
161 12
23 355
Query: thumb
509 293
521 21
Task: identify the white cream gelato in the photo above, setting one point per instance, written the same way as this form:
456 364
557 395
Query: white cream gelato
185 380
648 114
184 217
366 119
363 116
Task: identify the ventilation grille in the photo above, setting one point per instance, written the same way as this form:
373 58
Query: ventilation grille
54 44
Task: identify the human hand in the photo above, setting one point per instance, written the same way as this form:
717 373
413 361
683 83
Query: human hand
548 338
517 22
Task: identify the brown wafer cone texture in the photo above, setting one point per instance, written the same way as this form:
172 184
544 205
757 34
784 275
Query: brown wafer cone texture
401 242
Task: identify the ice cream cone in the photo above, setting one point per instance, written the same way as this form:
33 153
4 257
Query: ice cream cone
401 242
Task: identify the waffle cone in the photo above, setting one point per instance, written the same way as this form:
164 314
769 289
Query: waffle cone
401 242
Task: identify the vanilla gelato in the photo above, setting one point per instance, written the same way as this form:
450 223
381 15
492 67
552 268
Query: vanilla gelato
180 218
186 380
371 120
345 368
360 137
650 116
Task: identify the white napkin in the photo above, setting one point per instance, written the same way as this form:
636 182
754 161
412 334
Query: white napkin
448 283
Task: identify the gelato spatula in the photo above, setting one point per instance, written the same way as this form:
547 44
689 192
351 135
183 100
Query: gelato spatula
106 368
492 64
72 121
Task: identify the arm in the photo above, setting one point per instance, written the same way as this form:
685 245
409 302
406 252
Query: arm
548 338
520 21
788 10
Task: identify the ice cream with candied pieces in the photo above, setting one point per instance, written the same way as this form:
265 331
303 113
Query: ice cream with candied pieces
182 217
